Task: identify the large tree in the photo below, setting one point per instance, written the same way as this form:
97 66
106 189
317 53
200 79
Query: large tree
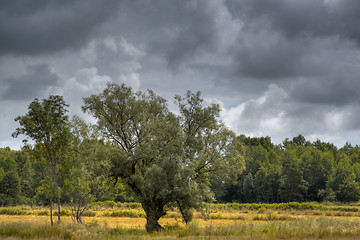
165 159
47 124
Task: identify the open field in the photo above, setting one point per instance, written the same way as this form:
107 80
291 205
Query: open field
233 221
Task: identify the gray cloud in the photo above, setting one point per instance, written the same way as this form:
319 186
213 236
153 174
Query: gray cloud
306 17
114 56
278 68
37 79
210 28
330 91
287 38
267 55
37 27
274 114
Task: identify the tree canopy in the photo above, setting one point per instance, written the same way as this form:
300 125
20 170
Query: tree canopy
165 159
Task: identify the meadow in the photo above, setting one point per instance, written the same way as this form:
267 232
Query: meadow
110 220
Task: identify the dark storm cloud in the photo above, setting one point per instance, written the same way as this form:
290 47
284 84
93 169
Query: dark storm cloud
209 28
269 56
334 90
43 26
197 33
279 67
30 85
306 17
279 37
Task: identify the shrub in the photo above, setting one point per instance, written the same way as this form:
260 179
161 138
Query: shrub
13 211
89 214
124 213
43 213
65 212
261 210
216 216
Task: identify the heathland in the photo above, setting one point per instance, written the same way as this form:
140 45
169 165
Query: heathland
110 220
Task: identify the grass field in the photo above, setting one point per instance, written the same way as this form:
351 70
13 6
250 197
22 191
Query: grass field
225 221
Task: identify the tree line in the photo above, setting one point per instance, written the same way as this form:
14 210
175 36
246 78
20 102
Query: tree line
294 171
139 150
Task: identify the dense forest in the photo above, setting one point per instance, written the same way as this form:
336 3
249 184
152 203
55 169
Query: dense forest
296 170
139 151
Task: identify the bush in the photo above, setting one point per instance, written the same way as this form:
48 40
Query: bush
273 216
63 212
89 214
13 211
43 213
124 213
261 210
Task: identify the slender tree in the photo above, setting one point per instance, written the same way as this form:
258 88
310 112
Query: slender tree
46 123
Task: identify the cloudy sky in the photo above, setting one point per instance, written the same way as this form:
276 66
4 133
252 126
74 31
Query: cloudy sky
277 68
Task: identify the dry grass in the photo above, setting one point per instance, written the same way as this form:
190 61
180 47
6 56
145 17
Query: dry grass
269 222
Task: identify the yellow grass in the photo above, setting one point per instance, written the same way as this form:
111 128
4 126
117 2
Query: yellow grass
111 222
240 224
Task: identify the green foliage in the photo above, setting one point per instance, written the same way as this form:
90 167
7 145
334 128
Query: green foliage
292 187
294 171
163 158
344 183
10 182
317 166
46 123
124 213
87 178
263 207
10 189
42 193
248 188
13 211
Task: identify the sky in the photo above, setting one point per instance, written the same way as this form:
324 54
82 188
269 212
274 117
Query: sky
277 68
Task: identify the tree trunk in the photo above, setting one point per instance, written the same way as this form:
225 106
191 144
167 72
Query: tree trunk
51 214
78 214
58 197
51 201
153 213
152 224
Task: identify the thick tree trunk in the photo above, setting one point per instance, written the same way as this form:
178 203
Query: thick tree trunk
153 213
152 224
